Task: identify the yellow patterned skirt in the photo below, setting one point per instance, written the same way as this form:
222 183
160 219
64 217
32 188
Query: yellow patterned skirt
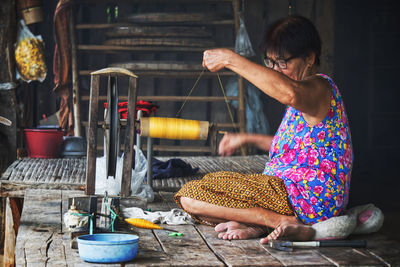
240 191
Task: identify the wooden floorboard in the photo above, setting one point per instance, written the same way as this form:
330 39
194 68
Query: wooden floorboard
187 250
388 251
158 204
237 252
39 229
349 256
42 240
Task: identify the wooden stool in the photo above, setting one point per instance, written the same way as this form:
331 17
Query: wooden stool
112 100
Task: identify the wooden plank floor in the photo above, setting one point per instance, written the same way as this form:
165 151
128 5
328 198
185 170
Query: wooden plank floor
42 241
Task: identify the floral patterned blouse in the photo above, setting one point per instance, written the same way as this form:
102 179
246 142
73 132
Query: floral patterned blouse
315 162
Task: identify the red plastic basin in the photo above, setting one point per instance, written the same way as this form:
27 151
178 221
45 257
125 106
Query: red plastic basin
43 143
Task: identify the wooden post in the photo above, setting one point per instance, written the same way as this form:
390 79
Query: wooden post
213 139
93 209
75 81
8 99
241 89
150 161
139 115
236 9
241 109
2 218
129 157
92 135
13 216
92 131
325 23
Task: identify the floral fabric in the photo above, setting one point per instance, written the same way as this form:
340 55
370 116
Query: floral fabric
315 162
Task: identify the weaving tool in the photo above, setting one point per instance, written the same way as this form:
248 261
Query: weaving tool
145 224
113 123
169 128
153 127
289 245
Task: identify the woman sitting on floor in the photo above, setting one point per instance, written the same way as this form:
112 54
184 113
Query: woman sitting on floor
307 177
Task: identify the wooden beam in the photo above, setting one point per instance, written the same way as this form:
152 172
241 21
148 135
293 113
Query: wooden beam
129 156
170 74
183 149
39 242
153 1
75 80
173 98
8 32
8 99
12 220
92 135
108 48
17 188
325 23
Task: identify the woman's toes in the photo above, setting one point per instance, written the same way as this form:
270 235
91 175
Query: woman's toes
278 231
275 234
235 230
221 227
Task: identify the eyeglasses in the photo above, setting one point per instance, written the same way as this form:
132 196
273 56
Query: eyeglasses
281 63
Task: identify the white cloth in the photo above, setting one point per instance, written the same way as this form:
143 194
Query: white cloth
172 217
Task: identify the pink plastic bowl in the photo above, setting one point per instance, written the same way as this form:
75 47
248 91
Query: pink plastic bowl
43 143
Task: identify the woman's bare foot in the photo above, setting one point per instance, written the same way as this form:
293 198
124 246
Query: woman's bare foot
234 230
291 231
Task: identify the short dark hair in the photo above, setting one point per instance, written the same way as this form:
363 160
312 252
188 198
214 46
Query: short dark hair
294 35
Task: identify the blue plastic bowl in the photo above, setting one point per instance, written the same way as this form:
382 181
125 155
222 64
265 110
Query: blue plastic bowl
107 248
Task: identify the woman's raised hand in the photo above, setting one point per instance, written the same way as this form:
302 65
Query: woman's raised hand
216 59
230 143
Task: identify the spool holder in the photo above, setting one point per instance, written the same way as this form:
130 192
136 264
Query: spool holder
112 100
150 151
112 126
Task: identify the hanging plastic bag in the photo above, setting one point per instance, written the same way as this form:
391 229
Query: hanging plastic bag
242 44
113 185
29 55
138 187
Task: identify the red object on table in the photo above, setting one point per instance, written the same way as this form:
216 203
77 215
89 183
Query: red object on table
146 107
44 143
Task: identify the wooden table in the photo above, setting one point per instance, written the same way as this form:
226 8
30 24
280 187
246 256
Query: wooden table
69 174
42 240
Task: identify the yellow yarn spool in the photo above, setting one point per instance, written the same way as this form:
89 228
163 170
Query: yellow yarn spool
171 128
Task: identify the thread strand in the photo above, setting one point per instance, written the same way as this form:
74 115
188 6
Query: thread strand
242 149
227 103
190 92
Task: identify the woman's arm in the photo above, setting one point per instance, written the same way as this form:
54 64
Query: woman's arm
231 142
310 96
